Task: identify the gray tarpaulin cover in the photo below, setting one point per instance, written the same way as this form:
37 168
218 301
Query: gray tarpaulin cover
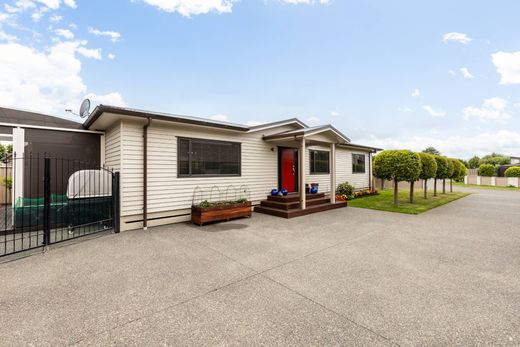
89 184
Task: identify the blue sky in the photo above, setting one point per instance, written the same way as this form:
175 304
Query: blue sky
394 74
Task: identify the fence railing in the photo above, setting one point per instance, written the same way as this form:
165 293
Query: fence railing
56 199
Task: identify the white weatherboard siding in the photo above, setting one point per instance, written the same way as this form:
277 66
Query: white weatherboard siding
113 147
344 168
169 195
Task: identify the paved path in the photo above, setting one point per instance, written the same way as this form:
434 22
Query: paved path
448 277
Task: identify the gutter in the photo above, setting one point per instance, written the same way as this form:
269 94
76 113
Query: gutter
145 173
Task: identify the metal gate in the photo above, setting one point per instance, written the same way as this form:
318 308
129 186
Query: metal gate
47 200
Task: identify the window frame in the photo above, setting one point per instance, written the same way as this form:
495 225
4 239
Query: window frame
190 175
364 164
312 167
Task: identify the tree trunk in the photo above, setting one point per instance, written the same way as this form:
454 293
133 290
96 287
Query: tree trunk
434 187
451 185
443 186
426 189
382 184
396 193
411 192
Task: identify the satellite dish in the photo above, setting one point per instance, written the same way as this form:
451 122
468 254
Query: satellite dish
84 108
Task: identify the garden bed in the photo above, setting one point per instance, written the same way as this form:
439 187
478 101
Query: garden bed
221 211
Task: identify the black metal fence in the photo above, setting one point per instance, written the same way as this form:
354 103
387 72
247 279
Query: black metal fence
47 200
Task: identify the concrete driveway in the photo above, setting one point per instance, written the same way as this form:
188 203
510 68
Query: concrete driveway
447 277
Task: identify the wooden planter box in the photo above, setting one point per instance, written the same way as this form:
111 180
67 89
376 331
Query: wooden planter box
201 216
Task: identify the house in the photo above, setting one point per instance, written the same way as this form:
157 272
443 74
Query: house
515 160
164 158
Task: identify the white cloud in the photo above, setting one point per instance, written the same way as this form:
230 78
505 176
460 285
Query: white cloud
188 8
70 3
113 35
334 114
451 72
434 131
6 37
111 56
416 93
55 18
508 66
457 37
91 53
404 109
492 109
465 72
433 112
220 117
113 99
503 141
307 2
48 81
313 121
66 33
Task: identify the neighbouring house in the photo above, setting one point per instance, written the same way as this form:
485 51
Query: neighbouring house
162 158
515 160
35 134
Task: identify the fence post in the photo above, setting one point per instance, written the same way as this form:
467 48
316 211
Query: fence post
47 202
116 214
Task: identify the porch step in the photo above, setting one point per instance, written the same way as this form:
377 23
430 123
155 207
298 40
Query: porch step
294 197
293 204
297 212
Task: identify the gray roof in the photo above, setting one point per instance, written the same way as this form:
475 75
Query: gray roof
99 110
305 131
23 117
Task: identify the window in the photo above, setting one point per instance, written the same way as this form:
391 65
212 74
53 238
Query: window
198 157
358 163
320 162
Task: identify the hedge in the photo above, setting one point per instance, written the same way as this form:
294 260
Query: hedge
486 170
513 171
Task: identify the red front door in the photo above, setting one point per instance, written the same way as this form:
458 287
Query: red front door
288 169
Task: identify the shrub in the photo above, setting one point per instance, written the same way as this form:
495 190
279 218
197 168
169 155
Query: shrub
7 182
513 171
345 188
474 162
486 170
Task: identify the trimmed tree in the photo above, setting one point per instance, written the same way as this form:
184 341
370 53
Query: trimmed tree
463 173
398 166
486 170
448 175
428 169
457 166
380 168
474 162
513 171
442 171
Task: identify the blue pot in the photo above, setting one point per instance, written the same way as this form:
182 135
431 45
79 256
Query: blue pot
274 192
314 190
284 192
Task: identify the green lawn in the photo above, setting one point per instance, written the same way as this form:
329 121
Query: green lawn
385 201
460 184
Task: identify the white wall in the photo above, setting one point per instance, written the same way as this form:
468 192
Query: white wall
344 168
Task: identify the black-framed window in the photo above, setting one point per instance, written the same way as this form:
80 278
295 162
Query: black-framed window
202 158
358 163
320 162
